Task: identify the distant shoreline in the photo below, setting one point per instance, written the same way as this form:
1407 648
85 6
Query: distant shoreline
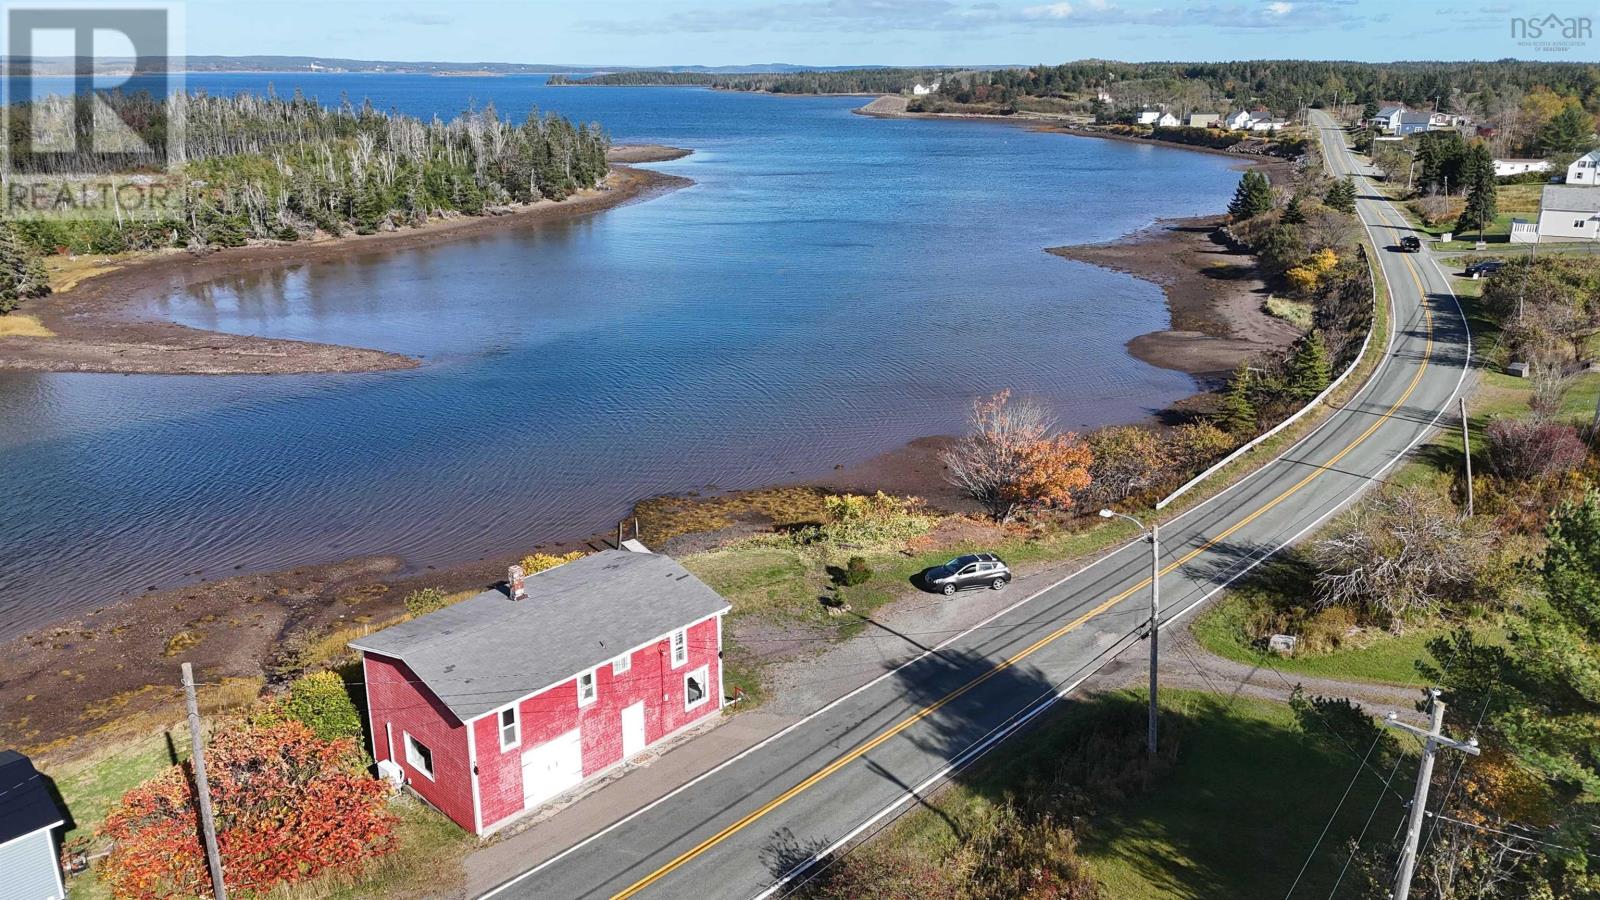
97 325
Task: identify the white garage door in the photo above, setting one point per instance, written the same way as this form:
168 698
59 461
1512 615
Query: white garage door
551 768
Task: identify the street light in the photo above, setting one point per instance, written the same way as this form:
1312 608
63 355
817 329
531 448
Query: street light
1151 536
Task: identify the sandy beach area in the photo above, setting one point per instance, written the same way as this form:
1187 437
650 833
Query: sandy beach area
97 326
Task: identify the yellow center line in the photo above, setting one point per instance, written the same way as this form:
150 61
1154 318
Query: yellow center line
1048 639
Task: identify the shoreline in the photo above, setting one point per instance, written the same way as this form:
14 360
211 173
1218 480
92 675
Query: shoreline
1214 296
96 325
250 627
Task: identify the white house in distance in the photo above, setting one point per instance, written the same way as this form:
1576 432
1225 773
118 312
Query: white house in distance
1505 167
1204 120
28 819
1268 124
1168 120
1569 212
1388 119
1149 116
1585 169
1238 121
922 90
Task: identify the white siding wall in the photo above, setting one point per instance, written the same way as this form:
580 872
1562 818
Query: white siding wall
29 868
1558 224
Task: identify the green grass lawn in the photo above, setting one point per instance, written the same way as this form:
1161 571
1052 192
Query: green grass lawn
1387 659
1514 201
1241 811
1235 817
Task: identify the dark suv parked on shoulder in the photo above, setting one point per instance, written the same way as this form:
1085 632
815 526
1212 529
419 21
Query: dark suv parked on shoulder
970 571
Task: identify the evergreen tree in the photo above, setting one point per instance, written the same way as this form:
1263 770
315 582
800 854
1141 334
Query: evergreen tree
1569 131
1252 198
1292 213
371 206
1310 369
1369 110
1341 196
1237 412
22 272
1478 171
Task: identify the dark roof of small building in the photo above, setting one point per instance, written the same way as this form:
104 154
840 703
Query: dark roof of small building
487 651
1570 198
1415 118
27 805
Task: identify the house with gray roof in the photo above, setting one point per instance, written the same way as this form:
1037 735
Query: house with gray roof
491 708
1569 212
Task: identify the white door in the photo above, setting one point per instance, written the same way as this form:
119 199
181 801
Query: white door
551 768
633 730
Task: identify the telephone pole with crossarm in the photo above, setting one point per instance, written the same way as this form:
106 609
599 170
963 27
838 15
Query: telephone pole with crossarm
1432 739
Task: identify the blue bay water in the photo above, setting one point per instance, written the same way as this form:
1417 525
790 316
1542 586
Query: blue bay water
831 287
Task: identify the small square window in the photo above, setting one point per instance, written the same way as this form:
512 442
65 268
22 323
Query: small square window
1579 224
622 664
696 689
419 756
510 729
680 647
587 690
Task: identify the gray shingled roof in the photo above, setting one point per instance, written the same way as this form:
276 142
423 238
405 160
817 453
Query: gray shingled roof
1415 118
483 653
28 805
1570 198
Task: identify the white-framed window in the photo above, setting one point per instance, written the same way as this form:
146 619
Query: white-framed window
419 756
510 728
588 689
622 664
1579 224
680 647
696 688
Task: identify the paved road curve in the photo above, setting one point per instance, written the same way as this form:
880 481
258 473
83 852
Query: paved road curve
740 831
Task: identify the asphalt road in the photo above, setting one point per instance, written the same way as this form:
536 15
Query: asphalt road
742 830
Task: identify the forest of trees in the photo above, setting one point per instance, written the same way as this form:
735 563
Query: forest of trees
1279 84
286 168
1521 99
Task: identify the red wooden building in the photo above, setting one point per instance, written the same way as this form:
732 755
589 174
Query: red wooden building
491 707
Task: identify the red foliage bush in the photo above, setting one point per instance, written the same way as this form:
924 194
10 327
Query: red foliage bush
288 807
1528 449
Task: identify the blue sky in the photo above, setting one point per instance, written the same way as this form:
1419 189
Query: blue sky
904 32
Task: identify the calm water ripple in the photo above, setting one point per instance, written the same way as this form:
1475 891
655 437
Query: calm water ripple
831 287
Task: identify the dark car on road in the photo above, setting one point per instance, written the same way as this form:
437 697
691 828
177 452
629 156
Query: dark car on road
971 571
1480 269
1410 243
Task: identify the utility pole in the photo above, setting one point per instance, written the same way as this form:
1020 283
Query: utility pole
1466 451
1152 537
1432 740
202 789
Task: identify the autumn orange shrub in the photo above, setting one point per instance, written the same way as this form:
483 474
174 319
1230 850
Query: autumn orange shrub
288 807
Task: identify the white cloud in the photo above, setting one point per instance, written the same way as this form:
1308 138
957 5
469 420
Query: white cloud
1279 9
1053 11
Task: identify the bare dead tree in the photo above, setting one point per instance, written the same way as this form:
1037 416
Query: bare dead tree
1397 555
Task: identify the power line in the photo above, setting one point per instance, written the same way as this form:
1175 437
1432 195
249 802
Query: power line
1366 825
1334 815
